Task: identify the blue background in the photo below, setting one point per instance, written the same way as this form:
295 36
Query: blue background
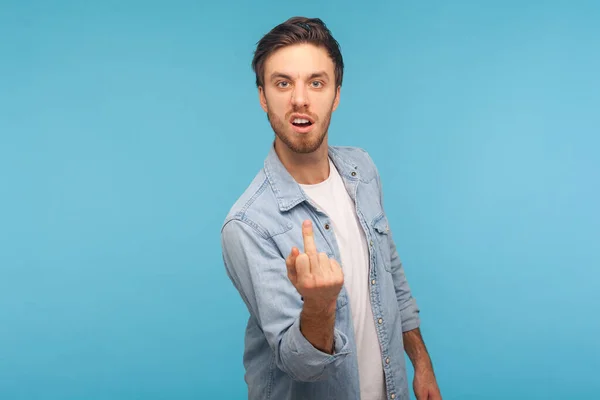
127 130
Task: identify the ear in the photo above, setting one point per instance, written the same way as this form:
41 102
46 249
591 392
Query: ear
262 99
336 101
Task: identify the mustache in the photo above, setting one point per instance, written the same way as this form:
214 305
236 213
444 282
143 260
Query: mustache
305 112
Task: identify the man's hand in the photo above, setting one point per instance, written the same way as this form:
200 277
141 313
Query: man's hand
317 278
425 385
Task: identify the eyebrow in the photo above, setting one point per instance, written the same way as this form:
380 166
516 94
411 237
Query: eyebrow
319 74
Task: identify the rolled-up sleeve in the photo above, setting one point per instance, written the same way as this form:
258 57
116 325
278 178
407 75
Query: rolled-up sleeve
409 311
257 270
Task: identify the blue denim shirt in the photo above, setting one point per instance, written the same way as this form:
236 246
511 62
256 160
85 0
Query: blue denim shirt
259 233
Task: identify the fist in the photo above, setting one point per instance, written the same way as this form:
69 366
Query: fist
315 276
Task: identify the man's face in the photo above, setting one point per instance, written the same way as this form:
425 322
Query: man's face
299 95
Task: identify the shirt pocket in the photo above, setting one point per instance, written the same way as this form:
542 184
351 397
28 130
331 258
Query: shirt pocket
381 231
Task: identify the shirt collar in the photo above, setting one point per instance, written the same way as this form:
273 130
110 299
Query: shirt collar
287 191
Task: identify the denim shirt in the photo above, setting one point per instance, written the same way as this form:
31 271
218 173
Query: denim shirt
256 237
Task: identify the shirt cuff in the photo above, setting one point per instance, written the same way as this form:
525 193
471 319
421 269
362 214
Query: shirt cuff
310 363
410 316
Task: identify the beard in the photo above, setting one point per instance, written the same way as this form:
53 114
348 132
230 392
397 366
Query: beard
300 143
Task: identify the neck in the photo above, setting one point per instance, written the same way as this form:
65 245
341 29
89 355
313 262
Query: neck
306 169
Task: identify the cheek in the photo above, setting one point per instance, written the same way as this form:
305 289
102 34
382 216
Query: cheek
324 107
278 98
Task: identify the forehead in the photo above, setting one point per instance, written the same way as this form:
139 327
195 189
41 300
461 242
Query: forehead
299 60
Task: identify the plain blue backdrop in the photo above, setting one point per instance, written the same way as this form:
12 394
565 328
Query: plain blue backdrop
128 129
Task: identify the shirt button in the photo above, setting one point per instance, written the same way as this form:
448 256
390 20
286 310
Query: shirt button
380 320
371 243
393 396
327 226
373 282
353 173
387 360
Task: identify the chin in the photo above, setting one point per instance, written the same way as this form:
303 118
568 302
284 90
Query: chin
304 145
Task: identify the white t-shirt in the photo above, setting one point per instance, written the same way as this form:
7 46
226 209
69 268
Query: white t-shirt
331 196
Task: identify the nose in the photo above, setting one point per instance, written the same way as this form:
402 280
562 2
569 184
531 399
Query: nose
300 96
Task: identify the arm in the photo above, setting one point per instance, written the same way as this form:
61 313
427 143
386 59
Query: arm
317 326
302 343
416 350
425 383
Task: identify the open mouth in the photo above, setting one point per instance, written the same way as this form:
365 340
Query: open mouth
301 122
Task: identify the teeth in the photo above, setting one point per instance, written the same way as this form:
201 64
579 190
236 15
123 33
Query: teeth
301 121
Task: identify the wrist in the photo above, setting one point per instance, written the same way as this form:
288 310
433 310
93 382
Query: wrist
423 365
317 308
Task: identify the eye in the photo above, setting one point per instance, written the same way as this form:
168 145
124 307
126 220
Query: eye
316 84
282 84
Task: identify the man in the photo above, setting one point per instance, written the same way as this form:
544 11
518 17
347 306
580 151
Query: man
309 248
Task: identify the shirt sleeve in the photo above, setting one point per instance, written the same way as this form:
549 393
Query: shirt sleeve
257 270
409 310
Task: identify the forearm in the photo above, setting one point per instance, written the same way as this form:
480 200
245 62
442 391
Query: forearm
416 350
279 320
317 325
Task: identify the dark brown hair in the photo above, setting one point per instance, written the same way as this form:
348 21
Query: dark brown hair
297 30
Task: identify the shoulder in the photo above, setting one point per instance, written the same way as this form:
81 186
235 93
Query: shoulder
243 205
255 212
359 156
